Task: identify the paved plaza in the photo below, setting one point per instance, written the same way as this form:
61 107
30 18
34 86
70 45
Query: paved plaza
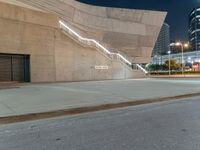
35 98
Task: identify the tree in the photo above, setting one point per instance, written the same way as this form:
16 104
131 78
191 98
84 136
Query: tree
173 64
155 67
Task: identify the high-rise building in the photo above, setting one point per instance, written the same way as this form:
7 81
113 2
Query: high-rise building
194 29
163 41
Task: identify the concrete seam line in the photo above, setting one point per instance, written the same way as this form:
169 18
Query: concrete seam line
86 109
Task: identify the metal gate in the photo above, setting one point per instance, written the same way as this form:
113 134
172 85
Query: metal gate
14 68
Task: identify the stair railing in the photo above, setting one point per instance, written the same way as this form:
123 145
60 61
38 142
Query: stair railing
98 46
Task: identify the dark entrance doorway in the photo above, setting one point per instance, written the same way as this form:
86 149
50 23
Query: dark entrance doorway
14 68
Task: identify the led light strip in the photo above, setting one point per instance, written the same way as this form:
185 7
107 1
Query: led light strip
84 39
95 42
98 45
141 68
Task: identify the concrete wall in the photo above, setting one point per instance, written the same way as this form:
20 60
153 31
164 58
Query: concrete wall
75 62
23 31
131 32
54 56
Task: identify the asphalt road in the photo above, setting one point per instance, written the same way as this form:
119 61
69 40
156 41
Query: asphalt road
163 126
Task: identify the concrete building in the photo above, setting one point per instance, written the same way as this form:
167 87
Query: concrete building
175 49
189 57
163 41
65 40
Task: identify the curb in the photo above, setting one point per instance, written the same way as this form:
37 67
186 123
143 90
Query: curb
80 110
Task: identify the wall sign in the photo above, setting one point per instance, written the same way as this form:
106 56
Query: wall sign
101 67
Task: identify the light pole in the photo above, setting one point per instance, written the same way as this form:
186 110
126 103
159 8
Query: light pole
169 52
182 46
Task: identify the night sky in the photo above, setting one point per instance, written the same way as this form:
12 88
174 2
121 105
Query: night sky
178 11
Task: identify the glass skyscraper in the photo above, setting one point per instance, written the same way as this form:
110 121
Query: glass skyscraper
194 30
163 41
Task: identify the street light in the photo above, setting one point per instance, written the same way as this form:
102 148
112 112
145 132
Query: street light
182 46
169 52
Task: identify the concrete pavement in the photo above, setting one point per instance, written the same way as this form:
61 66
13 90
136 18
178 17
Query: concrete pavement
37 98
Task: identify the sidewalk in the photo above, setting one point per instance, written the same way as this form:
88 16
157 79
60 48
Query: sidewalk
37 98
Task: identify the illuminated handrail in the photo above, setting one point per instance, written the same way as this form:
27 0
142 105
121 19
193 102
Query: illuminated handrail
92 42
141 68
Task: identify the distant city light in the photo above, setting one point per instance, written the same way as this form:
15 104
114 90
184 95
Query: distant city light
178 44
186 45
